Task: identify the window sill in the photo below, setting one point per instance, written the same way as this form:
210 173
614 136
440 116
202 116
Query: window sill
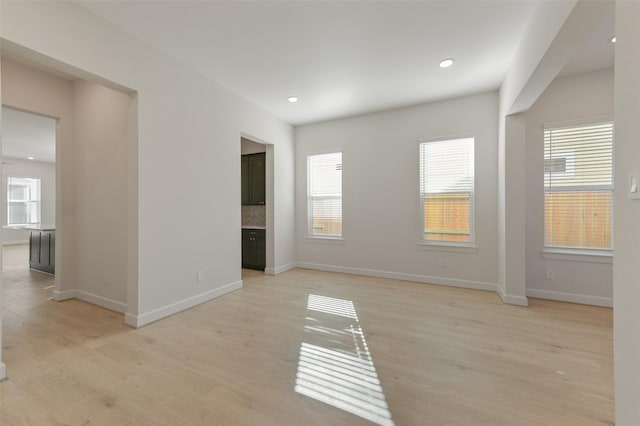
454 248
319 239
591 256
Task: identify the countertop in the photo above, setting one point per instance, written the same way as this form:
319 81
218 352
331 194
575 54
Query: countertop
253 227
34 227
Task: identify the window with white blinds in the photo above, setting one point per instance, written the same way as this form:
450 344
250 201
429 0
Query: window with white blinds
447 191
324 195
23 201
578 186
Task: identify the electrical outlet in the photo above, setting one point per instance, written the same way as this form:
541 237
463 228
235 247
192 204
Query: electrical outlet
200 276
548 274
441 262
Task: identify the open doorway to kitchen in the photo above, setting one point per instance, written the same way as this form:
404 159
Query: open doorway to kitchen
257 205
27 208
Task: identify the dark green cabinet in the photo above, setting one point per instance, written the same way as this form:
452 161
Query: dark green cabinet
245 179
42 251
253 179
254 249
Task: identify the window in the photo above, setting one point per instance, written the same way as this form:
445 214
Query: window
447 191
578 195
324 192
23 201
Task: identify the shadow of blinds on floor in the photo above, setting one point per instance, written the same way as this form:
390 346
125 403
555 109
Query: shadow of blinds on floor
335 365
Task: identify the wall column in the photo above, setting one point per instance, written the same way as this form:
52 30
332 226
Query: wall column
512 220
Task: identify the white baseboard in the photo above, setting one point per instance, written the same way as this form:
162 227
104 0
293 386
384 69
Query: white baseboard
570 297
452 282
14 243
101 301
3 371
280 269
141 320
131 320
510 299
59 296
94 299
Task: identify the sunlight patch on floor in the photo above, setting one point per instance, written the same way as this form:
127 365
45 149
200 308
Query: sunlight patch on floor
335 365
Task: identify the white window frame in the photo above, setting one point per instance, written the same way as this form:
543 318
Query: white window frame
469 246
310 234
576 254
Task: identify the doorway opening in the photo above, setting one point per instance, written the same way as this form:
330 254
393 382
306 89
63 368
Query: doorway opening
256 205
28 208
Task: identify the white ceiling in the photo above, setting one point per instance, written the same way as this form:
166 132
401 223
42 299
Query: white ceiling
340 58
28 135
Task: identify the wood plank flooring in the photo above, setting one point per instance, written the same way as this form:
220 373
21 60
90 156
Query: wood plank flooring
389 351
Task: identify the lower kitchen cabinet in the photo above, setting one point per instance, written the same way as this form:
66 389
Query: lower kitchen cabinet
254 248
42 251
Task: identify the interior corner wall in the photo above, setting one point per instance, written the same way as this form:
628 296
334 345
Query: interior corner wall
100 192
284 181
501 216
626 267
188 173
570 98
33 90
381 207
513 289
133 219
44 171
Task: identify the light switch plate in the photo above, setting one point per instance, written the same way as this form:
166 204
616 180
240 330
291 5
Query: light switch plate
633 185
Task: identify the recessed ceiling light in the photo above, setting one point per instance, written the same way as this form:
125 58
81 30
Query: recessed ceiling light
31 158
446 63
292 99
613 39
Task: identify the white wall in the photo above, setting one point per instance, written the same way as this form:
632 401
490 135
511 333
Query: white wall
571 98
100 121
626 267
381 213
186 124
46 172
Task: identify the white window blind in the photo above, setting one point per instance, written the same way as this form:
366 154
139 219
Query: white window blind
23 201
578 185
324 192
447 190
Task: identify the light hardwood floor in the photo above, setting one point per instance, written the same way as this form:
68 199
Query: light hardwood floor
393 352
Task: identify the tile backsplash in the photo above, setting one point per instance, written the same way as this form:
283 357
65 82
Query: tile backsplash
254 216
